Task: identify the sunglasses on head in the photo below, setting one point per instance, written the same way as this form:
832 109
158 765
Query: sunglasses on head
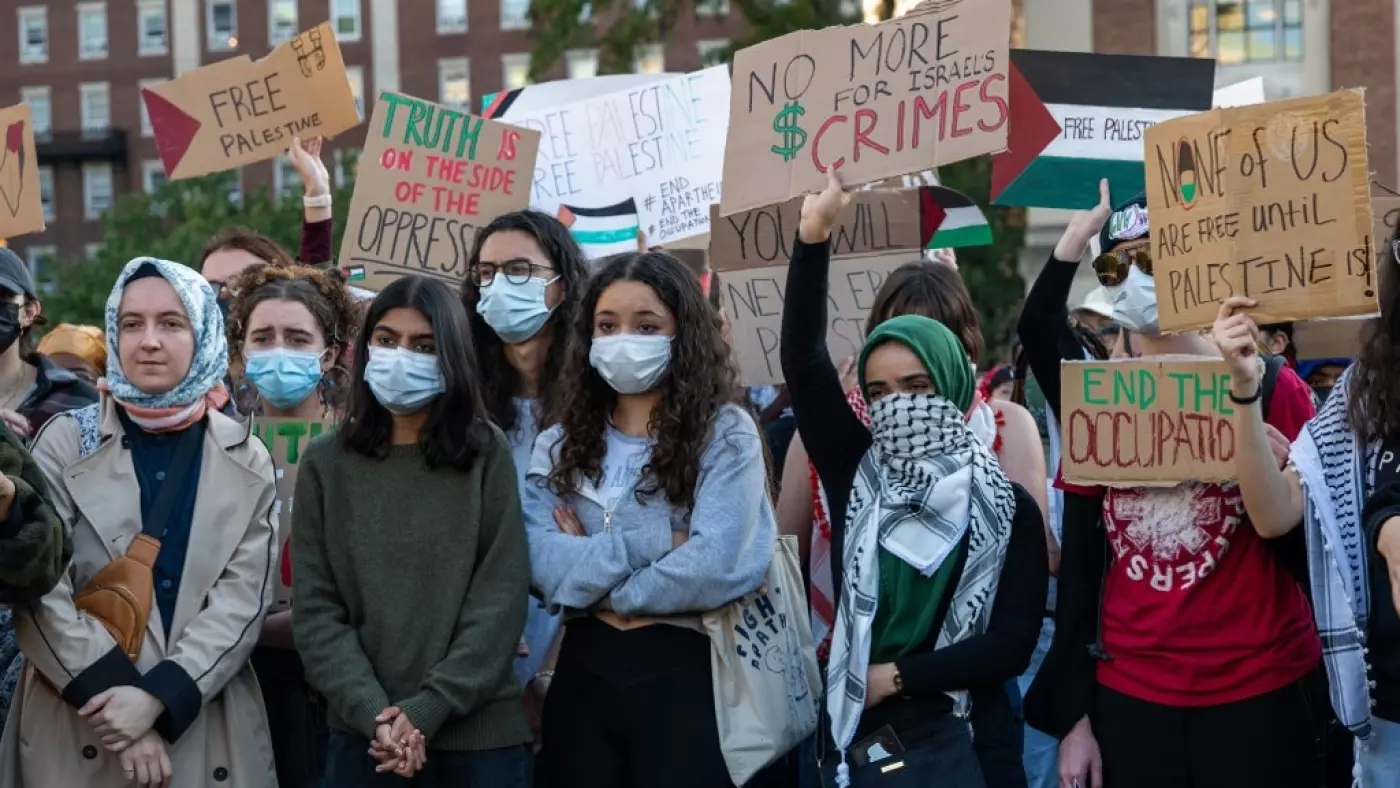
1112 267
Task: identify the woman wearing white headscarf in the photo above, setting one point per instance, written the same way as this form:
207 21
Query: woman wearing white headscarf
159 485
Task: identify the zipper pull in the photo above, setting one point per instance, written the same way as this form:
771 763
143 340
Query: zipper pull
607 519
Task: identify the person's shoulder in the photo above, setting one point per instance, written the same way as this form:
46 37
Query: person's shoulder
1014 420
733 419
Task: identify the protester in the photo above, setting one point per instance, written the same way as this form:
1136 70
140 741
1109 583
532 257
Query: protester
1322 375
528 278
288 330
646 506
167 499
410 564
81 350
1277 340
996 385
940 606
1177 626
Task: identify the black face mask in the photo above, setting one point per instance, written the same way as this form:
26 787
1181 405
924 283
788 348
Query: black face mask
10 329
223 303
1322 392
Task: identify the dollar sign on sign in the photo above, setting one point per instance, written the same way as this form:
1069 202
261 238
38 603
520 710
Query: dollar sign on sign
793 136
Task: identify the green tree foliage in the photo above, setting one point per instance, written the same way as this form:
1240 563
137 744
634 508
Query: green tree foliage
174 223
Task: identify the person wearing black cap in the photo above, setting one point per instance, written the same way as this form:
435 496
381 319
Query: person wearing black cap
1185 651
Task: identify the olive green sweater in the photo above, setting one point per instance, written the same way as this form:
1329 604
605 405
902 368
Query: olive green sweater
410 589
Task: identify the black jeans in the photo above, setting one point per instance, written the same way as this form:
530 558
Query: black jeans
632 709
1268 740
296 720
349 765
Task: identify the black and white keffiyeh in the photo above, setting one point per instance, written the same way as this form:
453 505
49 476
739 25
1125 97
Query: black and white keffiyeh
925 482
1331 464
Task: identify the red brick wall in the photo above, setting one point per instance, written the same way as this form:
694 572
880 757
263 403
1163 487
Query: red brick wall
1363 55
1127 27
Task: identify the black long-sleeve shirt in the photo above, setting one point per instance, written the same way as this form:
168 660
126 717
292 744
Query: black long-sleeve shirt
836 441
1383 640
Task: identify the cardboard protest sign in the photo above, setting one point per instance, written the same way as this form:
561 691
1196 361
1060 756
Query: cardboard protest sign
1240 94
240 111
429 176
925 89
1320 339
644 157
21 206
1269 201
286 439
1146 422
874 222
753 300
1081 117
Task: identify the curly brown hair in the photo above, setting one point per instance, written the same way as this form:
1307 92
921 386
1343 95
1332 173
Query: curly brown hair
1373 388
323 293
700 380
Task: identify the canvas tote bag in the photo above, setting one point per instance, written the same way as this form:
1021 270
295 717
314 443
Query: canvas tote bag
764 668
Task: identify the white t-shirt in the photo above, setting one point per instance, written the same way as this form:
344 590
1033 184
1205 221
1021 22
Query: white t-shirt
622 465
522 438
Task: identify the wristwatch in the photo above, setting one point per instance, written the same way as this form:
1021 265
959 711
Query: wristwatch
898 681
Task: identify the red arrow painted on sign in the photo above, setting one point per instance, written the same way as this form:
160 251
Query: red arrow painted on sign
1031 131
174 129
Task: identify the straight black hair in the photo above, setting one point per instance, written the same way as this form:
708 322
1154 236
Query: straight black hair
455 431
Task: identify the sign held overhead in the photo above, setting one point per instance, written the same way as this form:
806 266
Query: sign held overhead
21 206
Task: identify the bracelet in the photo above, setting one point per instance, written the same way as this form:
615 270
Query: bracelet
544 674
1250 400
898 680
319 201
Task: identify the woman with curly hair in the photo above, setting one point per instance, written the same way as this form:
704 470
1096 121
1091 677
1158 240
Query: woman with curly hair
527 278
646 506
287 329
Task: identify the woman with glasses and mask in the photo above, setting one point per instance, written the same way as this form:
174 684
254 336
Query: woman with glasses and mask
410 564
1179 625
528 277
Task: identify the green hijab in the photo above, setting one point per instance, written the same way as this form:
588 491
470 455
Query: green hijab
942 354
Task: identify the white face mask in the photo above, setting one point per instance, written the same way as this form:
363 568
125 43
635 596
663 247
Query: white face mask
403 381
516 312
1135 303
631 363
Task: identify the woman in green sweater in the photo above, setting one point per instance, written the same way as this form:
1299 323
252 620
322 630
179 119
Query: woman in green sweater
410 563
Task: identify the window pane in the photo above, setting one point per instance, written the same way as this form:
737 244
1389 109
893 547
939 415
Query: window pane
1262 13
1262 44
1293 12
1200 45
1293 44
1230 47
1200 18
1229 16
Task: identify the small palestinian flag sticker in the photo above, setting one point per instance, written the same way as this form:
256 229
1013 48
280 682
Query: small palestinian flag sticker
1186 172
951 219
354 273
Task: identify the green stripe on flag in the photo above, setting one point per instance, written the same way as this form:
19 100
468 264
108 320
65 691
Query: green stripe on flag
1057 182
605 237
974 235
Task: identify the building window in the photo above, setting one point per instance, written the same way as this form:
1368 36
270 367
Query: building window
97 189
152 175
40 258
1247 31
285 178
345 18
46 192
92 250
649 59
281 21
515 14
150 28
33 34
235 189
146 130
221 25
451 16
515 71
92 31
356 75
347 161
582 63
95 106
712 50
454 82
712 8
40 103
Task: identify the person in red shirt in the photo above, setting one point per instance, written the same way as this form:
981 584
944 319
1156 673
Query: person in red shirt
1185 651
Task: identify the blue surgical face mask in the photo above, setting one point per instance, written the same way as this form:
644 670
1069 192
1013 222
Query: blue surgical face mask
516 312
403 381
285 378
631 363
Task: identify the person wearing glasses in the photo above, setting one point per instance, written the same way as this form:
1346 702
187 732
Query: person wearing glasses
528 277
1184 651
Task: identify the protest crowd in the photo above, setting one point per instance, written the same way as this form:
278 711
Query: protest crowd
536 505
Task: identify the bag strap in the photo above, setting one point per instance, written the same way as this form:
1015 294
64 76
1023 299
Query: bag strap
176 475
1272 366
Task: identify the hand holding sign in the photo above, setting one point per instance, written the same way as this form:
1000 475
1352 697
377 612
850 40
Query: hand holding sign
1084 226
1237 337
820 211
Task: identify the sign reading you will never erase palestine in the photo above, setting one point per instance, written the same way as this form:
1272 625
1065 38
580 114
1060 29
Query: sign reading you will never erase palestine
240 111
926 89
1270 201
429 177
286 440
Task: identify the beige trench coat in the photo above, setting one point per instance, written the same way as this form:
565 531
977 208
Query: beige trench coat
223 598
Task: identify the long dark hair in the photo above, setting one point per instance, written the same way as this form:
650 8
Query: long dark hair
935 291
701 379
499 380
1373 388
454 433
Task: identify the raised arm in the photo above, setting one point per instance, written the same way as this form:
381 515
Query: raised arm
317 224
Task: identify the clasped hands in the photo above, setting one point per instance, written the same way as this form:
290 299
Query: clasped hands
123 719
398 746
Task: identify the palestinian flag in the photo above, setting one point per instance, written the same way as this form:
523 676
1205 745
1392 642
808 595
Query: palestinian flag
604 231
1077 117
953 219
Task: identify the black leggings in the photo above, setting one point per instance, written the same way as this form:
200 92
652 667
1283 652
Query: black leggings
1268 740
632 709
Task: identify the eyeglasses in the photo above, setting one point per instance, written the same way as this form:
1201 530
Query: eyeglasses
517 272
1112 267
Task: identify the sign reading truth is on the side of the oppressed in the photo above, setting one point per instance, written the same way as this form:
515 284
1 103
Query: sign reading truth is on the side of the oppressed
1146 422
1270 201
429 176
240 111
286 439
873 101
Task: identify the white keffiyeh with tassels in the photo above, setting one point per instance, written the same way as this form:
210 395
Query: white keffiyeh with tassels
926 481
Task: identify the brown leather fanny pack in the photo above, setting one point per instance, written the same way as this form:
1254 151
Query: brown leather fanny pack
120 595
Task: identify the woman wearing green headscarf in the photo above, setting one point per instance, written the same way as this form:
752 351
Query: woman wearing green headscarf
939 561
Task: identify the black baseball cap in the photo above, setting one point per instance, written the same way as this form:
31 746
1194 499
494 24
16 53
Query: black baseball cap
14 274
